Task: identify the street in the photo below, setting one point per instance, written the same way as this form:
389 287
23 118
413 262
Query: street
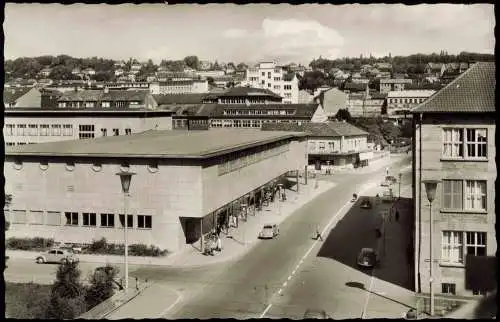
251 286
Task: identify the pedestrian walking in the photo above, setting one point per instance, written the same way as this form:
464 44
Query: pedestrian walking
318 234
386 171
219 244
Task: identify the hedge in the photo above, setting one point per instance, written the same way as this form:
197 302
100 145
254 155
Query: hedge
36 243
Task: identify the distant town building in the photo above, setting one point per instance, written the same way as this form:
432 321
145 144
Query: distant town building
305 97
454 142
332 101
107 98
210 73
387 85
400 103
179 86
270 76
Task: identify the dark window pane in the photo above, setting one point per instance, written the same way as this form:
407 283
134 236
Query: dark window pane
149 222
481 251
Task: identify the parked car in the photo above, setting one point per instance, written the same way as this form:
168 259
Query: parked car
366 204
269 231
56 255
315 314
367 258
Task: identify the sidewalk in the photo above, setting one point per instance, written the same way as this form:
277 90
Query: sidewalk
243 237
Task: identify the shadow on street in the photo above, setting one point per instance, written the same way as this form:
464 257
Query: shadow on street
357 230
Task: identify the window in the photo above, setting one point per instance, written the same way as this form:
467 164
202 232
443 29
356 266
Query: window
89 219
10 143
18 217
130 221
263 73
107 220
321 145
85 131
128 131
452 247
476 243
144 221
468 196
269 85
475 143
53 218
478 292
9 129
56 129
104 132
453 250
105 104
475 195
448 288
33 129
68 130
262 82
21 129
71 218
44 129
116 132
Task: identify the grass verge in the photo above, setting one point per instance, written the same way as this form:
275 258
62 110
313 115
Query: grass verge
26 300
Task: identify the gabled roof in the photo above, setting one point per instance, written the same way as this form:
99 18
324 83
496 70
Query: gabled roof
327 129
11 95
248 91
471 92
355 87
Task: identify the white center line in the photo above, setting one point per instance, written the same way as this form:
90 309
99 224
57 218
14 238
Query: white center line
365 188
293 272
367 297
284 284
290 277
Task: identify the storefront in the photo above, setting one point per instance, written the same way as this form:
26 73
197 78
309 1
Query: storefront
364 158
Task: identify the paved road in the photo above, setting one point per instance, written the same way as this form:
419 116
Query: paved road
322 282
246 287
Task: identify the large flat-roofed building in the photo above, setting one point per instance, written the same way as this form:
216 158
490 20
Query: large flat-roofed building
454 142
184 183
35 125
400 103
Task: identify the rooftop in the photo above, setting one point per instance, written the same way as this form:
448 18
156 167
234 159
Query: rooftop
11 95
327 129
156 144
471 92
100 95
410 93
166 99
247 91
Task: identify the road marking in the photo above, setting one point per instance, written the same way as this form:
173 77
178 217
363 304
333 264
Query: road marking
293 272
179 296
366 187
367 297
290 277
284 284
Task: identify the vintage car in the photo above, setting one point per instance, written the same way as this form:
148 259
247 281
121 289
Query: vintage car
269 231
367 258
56 255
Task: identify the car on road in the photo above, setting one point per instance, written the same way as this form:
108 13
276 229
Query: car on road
315 314
56 255
366 204
367 258
388 181
269 231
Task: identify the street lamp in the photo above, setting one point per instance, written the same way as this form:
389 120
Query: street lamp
125 179
430 189
399 193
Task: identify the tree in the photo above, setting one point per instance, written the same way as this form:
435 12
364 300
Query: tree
312 80
192 62
8 202
67 297
210 80
343 115
103 283
241 66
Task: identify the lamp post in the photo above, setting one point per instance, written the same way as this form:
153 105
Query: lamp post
430 189
399 192
125 179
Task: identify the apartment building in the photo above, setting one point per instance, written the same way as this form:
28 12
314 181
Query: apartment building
34 125
179 86
400 103
391 84
270 76
454 142
184 184
106 98
337 145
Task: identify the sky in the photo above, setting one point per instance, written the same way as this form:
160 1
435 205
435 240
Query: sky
245 33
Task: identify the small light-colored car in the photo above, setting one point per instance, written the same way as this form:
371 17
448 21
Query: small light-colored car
56 255
367 258
269 231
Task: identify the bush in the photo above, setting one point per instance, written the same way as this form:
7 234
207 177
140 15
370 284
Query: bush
98 246
102 285
102 247
143 250
37 243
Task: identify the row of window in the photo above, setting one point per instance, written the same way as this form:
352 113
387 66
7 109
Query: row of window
456 245
38 129
97 167
405 100
85 219
450 288
465 143
248 123
259 112
244 159
94 104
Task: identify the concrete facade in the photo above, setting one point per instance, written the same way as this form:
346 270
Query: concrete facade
435 166
333 100
175 194
25 126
